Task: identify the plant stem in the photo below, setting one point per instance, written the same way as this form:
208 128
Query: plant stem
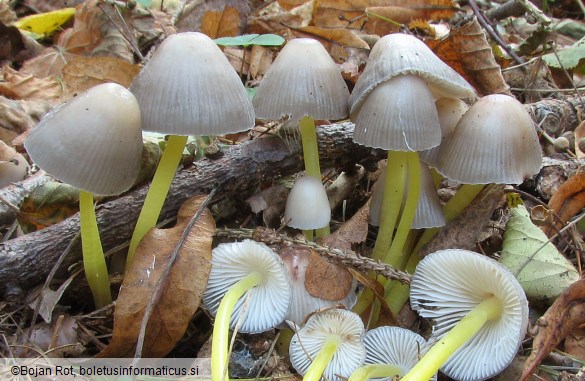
221 327
157 193
323 359
375 371
94 261
391 202
471 324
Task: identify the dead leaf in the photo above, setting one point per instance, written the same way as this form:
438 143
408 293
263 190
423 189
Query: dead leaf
49 300
563 317
18 116
355 230
567 202
326 280
575 344
579 136
215 18
342 37
57 340
182 291
22 85
49 63
386 316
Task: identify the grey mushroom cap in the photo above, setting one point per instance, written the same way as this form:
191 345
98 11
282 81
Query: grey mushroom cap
446 285
398 115
307 206
262 307
399 54
188 87
93 142
302 81
395 346
495 141
308 341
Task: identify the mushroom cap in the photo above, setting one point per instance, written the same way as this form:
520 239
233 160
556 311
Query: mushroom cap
302 81
398 54
92 142
189 88
398 115
494 142
308 341
297 261
450 111
13 166
395 346
307 206
429 211
264 305
446 285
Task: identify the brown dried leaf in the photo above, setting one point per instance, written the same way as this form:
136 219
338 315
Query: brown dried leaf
57 340
182 291
343 37
22 85
355 230
579 135
563 317
567 201
326 280
290 4
17 116
49 63
49 300
215 18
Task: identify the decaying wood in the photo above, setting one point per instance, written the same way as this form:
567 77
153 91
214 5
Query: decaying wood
25 261
556 116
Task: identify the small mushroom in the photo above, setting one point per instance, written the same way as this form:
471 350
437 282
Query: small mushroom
390 351
94 143
329 345
307 206
13 166
248 286
478 311
187 88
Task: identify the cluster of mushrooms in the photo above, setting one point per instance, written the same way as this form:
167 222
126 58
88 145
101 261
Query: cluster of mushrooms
407 102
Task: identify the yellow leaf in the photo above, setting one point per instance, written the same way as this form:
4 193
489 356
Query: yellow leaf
45 23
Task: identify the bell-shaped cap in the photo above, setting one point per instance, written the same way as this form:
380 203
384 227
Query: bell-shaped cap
188 87
399 54
299 262
395 346
307 206
93 142
429 211
398 115
302 81
266 304
447 285
450 111
13 166
494 142
307 342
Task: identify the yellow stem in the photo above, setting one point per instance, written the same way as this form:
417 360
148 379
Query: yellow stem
221 326
157 193
94 262
435 358
369 371
323 359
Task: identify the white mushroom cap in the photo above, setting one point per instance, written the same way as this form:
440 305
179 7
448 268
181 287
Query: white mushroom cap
296 261
395 346
308 341
189 88
302 81
399 54
450 111
264 305
307 205
446 285
398 115
494 142
429 211
13 166
93 142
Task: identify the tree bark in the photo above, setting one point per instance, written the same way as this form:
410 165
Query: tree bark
25 261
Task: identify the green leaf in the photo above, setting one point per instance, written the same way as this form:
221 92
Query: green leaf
541 269
569 58
251 39
145 3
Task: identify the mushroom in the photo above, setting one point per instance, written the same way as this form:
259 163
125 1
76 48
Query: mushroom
307 206
13 166
94 143
303 83
390 351
478 311
247 285
329 344
187 88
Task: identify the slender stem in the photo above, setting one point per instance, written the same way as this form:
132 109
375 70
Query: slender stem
323 359
369 371
489 309
159 188
311 158
395 255
221 327
308 235
94 261
391 202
